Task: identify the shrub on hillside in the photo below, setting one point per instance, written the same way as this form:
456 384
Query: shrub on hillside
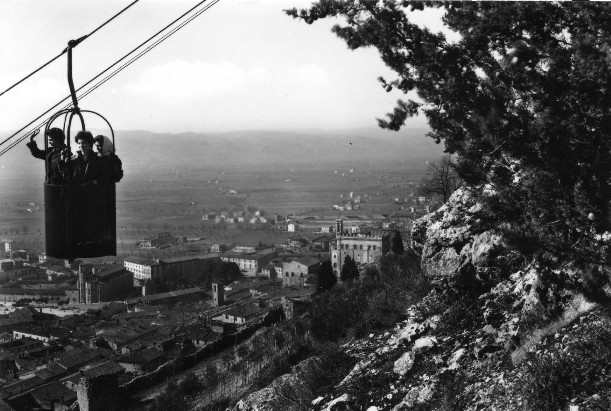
579 372
334 313
379 299
190 384
315 379
399 284
169 400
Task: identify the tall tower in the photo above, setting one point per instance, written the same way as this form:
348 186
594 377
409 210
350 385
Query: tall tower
336 255
83 274
218 294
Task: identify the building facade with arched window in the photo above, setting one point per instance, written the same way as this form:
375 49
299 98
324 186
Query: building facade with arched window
362 248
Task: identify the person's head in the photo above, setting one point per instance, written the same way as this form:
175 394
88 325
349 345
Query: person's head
56 137
84 140
103 145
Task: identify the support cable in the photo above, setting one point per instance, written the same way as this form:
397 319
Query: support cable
64 51
108 77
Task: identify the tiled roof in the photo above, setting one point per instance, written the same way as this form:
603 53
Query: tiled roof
55 391
308 261
162 296
140 314
20 386
79 357
141 357
31 291
39 331
51 372
244 311
111 272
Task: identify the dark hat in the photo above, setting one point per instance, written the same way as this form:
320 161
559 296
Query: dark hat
84 135
55 134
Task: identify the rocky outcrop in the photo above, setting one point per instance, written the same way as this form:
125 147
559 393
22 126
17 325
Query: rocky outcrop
270 398
489 307
455 241
470 344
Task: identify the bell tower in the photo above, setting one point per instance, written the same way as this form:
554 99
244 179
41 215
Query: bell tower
218 294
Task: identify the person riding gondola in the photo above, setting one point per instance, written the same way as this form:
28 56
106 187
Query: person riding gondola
87 177
52 155
85 167
112 163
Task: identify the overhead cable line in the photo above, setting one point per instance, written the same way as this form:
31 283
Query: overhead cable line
149 48
64 50
112 74
108 77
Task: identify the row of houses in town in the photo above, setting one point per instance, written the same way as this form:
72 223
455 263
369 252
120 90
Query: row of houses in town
10 295
347 206
161 240
46 362
214 298
250 263
235 217
159 269
89 283
136 336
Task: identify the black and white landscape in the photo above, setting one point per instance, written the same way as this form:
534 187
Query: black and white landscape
322 205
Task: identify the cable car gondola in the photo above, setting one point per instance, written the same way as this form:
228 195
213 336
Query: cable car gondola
80 219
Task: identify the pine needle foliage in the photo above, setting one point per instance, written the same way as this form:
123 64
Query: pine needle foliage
520 94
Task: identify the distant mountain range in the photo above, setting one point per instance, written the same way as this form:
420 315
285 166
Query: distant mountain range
144 148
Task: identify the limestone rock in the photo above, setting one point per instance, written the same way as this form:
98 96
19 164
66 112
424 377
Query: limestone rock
405 363
424 344
454 360
358 368
484 246
341 399
415 396
265 399
441 264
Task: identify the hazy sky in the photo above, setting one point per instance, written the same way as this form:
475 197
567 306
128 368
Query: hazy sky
241 65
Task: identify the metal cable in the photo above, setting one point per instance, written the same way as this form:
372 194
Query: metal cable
32 73
64 51
150 47
113 17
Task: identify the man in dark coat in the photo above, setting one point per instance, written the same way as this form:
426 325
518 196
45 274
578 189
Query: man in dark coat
52 155
87 175
85 167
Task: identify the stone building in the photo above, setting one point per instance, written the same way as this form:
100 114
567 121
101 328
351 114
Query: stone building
101 284
296 272
143 268
98 388
250 264
362 248
218 295
171 268
16 294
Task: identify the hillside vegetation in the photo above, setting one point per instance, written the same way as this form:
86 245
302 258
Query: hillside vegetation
462 322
